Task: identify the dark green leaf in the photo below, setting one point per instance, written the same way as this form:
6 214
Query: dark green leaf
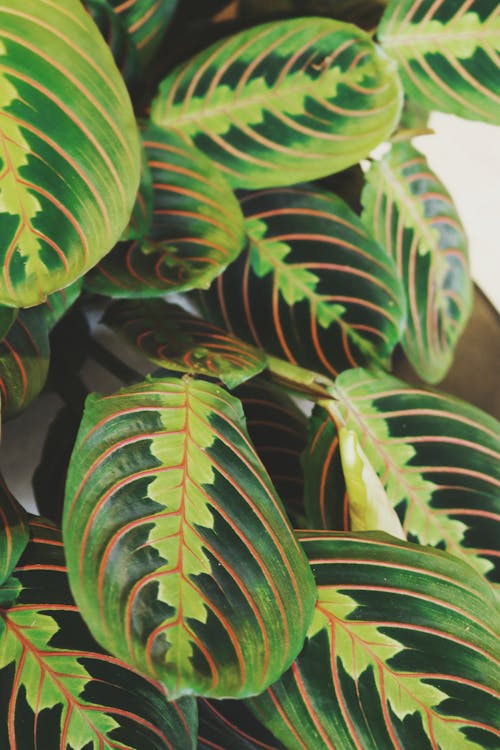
7 317
117 37
57 304
13 531
179 552
403 652
229 725
59 689
313 288
176 340
411 214
146 22
284 102
447 53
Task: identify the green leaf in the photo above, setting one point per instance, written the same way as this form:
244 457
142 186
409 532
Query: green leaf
13 531
438 459
227 725
176 340
24 361
284 102
179 552
196 228
402 652
412 215
7 317
363 13
446 54
115 33
278 430
59 689
69 159
146 22
57 304
369 507
313 288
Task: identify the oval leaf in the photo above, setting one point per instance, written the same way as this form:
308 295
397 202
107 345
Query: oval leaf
196 228
176 340
59 689
13 531
284 102
65 192
412 215
438 458
24 361
179 552
146 22
446 54
402 653
316 289
227 725
117 37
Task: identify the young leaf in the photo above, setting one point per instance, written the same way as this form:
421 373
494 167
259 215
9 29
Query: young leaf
447 52
59 689
438 458
69 163
13 531
311 267
403 652
196 228
412 215
284 102
227 725
176 340
179 552
24 361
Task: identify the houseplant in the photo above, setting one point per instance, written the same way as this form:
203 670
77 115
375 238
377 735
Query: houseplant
296 582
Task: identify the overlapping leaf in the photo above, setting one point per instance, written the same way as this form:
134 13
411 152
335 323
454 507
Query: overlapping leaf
278 430
7 317
59 689
195 232
179 552
24 361
146 22
176 340
313 288
284 102
364 13
57 304
13 531
114 31
403 652
412 215
437 457
447 53
69 158
227 725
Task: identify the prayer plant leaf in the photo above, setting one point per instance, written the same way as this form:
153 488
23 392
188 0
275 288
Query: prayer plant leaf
447 54
278 430
59 689
312 288
146 21
438 458
117 37
176 340
7 317
180 555
196 226
13 531
284 102
403 652
411 214
227 725
24 360
57 304
69 156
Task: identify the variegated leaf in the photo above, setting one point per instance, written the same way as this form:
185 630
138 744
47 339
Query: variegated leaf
69 157
313 288
7 317
59 689
278 430
57 304
438 458
412 215
146 22
115 33
229 725
283 102
403 652
447 51
13 531
24 360
196 228
179 552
